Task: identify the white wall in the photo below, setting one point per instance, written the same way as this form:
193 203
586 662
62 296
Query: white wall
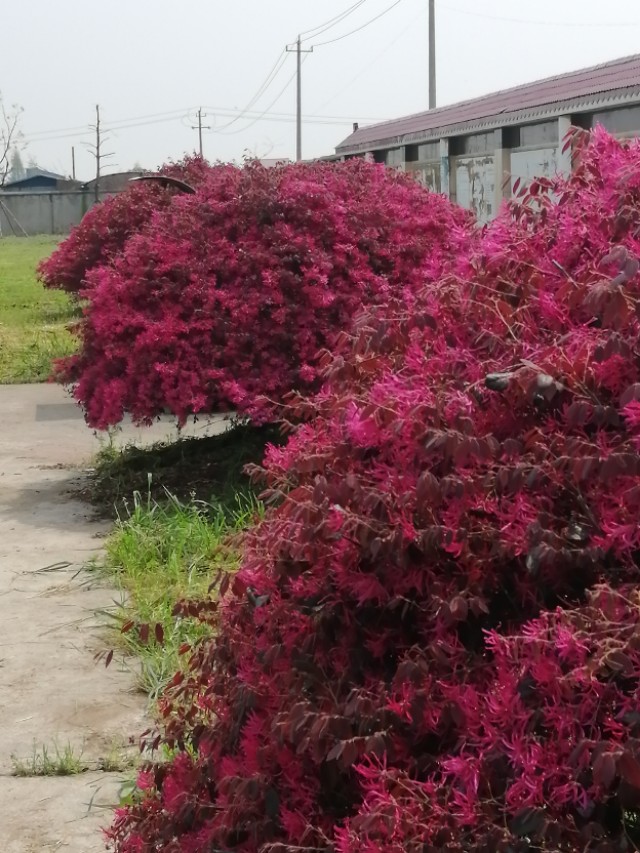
535 163
474 184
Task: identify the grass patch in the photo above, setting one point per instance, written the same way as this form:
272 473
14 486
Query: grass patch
188 469
118 759
50 761
33 320
164 553
180 510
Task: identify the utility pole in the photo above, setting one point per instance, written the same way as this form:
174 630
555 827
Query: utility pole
98 154
432 54
199 128
299 51
73 162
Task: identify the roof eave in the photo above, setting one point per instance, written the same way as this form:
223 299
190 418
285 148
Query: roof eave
492 122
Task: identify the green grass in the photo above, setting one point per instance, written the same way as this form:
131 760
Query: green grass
119 758
161 554
180 510
46 761
32 320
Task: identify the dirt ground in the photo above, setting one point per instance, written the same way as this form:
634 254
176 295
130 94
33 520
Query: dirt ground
52 691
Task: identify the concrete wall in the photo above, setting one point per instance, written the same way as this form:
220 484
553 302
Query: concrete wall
43 212
535 163
478 170
473 184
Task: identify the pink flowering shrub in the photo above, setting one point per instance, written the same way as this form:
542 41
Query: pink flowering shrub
433 643
107 226
224 300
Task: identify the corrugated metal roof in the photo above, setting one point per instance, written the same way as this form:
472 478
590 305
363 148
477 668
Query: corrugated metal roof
33 173
37 172
616 76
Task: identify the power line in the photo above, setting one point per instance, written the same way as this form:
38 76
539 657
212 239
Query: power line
275 101
182 115
271 76
280 61
328 119
113 124
359 29
375 59
322 28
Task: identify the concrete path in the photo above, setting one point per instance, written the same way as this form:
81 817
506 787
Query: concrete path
51 689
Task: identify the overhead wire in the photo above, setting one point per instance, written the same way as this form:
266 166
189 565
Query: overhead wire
338 118
282 57
271 76
333 22
156 118
113 124
180 115
360 28
366 67
273 103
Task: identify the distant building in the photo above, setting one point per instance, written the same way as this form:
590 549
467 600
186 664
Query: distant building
40 180
475 150
114 183
270 162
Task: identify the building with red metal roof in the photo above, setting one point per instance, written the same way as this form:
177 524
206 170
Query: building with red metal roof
475 150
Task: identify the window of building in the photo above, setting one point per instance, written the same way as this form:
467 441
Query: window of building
543 134
583 120
476 143
395 157
625 120
423 153
511 137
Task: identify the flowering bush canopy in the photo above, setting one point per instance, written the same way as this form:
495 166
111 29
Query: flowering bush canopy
226 296
107 226
433 643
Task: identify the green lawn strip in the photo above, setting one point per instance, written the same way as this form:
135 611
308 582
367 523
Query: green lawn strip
33 320
164 553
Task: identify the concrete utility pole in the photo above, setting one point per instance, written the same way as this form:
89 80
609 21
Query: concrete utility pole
98 155
299 51
73 162
199 126
432 54
299 101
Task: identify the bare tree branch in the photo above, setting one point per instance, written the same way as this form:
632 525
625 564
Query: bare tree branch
10 136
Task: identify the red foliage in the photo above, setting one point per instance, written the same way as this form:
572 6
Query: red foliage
434 641
107 226
228 294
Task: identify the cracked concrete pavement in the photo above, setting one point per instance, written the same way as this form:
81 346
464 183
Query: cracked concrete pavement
52 691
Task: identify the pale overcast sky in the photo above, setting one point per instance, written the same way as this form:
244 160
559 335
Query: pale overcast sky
151 63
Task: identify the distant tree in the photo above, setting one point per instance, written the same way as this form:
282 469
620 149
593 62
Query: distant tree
17 170
10 136
137 167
